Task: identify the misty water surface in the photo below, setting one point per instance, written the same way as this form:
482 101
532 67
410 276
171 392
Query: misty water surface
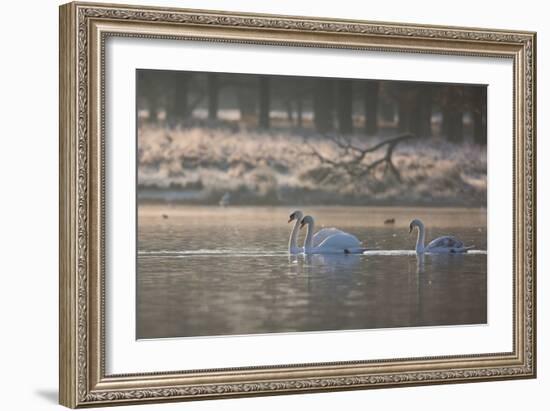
206 271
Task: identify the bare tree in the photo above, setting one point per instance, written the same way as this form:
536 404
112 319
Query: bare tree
352 158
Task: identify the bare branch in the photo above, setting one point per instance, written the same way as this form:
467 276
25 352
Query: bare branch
355 166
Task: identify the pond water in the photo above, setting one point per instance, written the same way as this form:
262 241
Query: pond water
205 271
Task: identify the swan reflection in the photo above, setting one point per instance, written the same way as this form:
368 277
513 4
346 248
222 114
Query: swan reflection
330 263
437 263
420 260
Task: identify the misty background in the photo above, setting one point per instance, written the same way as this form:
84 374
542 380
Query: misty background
245 139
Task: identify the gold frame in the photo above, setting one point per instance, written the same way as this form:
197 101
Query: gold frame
83 30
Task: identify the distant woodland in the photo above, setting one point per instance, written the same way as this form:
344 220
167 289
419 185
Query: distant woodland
453 112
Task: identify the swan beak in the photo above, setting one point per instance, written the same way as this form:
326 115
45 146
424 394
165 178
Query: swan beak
410 229
290 220
302 224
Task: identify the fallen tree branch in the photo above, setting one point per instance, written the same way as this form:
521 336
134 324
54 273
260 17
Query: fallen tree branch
355 165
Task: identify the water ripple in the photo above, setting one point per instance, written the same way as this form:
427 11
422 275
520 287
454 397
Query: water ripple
282 253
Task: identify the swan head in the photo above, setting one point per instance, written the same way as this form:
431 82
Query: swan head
306 220
295 215
415 223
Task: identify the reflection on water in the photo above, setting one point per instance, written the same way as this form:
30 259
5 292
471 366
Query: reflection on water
215 271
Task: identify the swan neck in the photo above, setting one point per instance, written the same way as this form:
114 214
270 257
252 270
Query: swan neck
420 239
292 247
309 236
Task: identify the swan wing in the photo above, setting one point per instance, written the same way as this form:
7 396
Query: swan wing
339 242
323 234
448 243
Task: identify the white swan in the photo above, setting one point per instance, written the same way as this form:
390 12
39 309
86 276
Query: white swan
339 242
441 245
318 238
292 246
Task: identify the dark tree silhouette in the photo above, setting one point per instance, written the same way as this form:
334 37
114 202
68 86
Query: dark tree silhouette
479 114
177 108
345 98
423 113
299 111
415 104
148 92
322 104
406 98
300 93
264 97
372 88
329 101
213 93
453 112
247 101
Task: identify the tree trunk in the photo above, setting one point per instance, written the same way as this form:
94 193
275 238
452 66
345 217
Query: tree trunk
247 105
153 110
406 105
299 110
345 107
404 124
423 115
264 96
453 127
148 91
371 107
479 112
177 109
415 109
213 92
322 105
289 111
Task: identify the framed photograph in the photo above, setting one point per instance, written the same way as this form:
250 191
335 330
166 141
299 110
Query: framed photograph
259 204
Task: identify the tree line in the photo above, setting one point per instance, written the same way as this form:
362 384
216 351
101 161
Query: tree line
344 106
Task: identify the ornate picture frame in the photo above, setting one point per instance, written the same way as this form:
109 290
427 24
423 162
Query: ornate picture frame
84 29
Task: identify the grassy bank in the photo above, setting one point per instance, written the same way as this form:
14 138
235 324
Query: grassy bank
202 165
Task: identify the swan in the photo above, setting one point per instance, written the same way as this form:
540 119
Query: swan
292 246
441 245
339 242
318 238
